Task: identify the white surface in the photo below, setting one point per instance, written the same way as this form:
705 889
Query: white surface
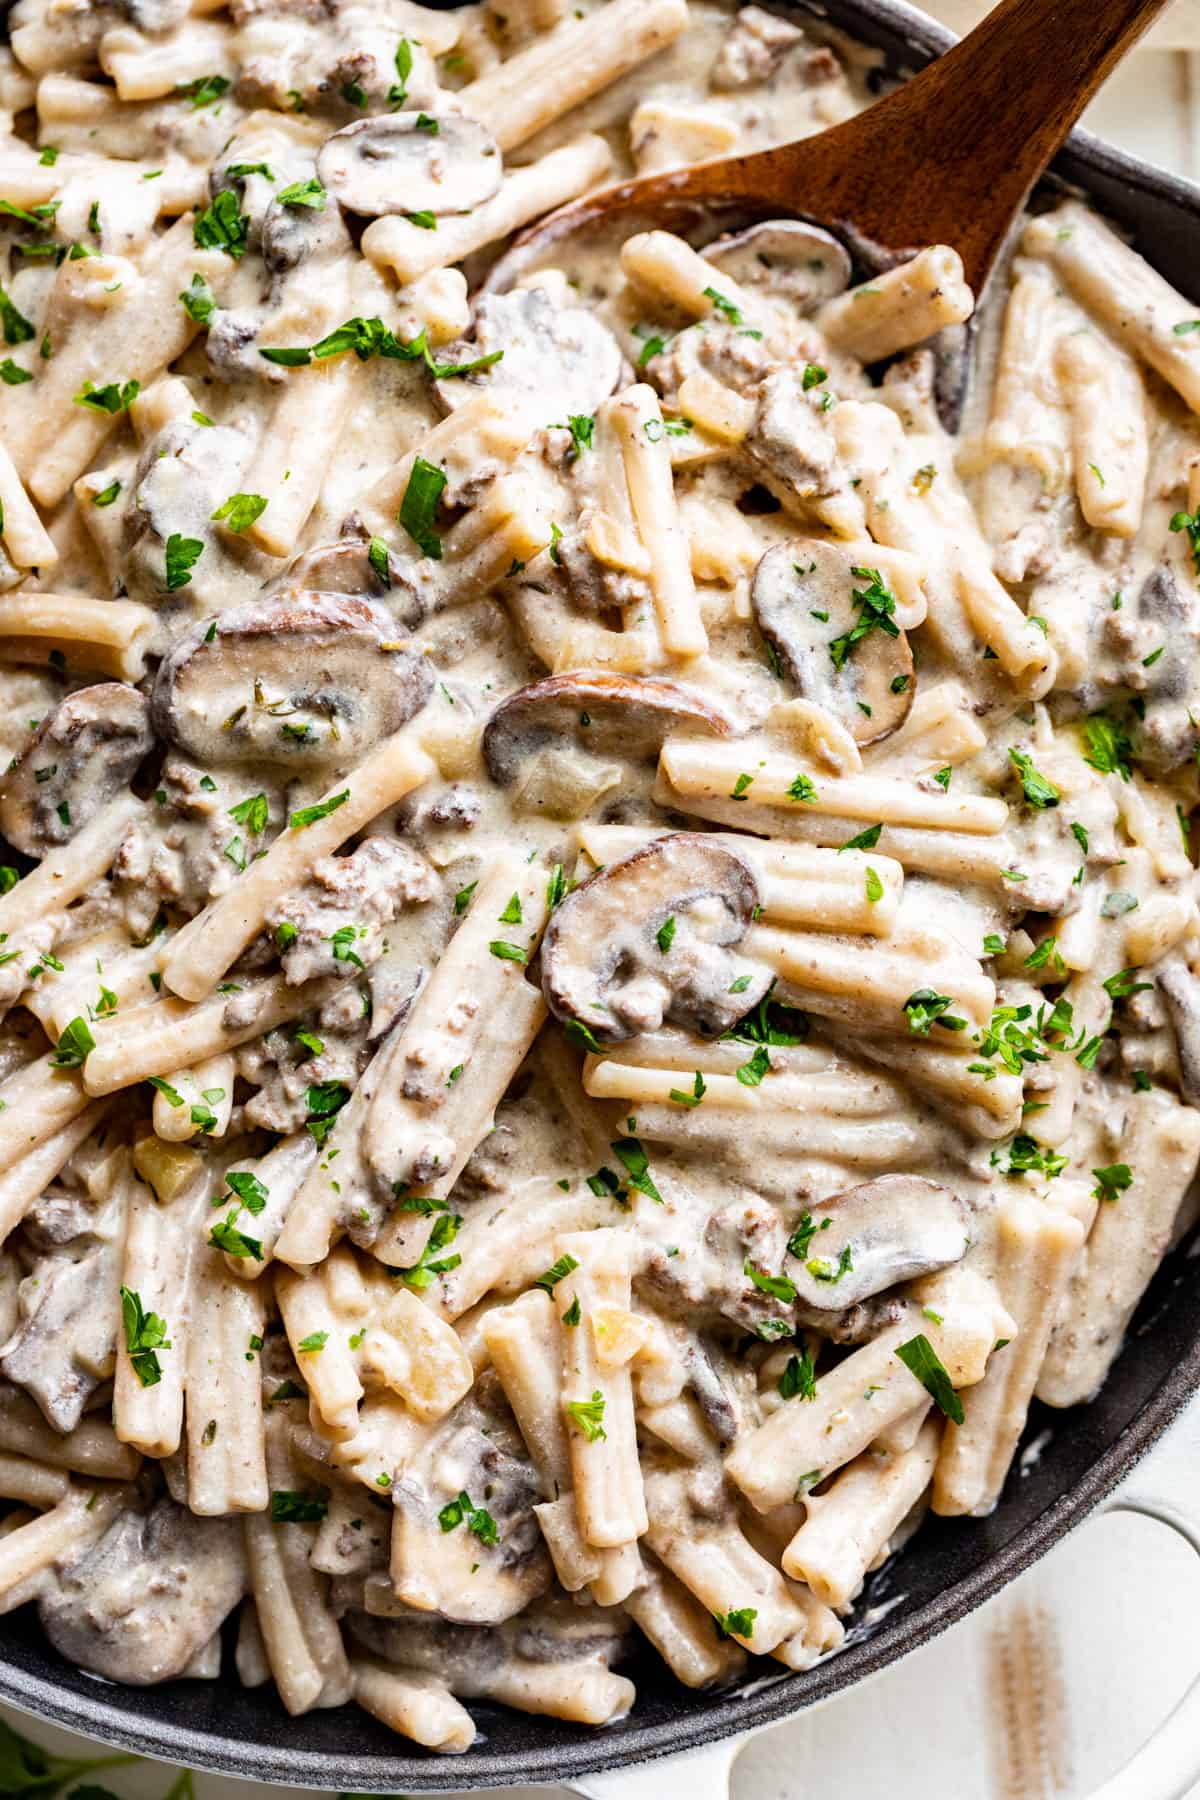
1047 1690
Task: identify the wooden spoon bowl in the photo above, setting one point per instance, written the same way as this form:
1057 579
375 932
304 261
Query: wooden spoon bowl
948 158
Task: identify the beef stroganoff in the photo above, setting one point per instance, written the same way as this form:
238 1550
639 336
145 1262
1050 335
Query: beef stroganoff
600 955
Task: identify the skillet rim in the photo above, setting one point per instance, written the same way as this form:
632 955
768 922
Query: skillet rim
112 1721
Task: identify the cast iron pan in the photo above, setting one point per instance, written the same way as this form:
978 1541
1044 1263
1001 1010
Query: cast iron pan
951 1567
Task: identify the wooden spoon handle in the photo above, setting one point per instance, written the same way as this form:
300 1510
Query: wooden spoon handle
950 157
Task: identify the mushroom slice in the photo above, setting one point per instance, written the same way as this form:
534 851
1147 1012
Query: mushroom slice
869 1238
408 163
809 600
82 756
560 745
612 715
138 1605
1181 991
560 359
342 566
791 260
306 679
651 938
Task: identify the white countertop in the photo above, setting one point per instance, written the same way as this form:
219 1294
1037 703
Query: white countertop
1048 1689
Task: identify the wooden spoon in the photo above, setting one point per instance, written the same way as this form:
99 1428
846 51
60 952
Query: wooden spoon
948 158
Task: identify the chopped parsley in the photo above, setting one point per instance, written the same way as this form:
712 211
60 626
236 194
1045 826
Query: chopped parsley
821 1269
430 1262
251 812
1121 985
116 397
1108 746
1027 1157
1039 792
699 1089
75 1045
240 511
308 815
751 1073
222 226
922 1360
145 1336
226 1236
291 1508
801 1239
1112 1181
630 1153
182 555
419 506
1180 521
725 307
204 90
249 1189
303 193
17 328
876 606
507 952
324 1100
550 1277
799 1378
476 1518
925 1008
777 1286
197 301
589 1415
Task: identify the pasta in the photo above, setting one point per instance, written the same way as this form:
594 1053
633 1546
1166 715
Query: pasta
599 956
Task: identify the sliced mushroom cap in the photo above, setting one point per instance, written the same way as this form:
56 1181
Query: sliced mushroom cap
559 359
798 262
342 566
807 599
611 961
81 757
870 1237
610 715
394 163
1181 992
138 1605
307 679
562 744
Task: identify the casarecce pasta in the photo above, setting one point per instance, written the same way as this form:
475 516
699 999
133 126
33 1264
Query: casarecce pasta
599 960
